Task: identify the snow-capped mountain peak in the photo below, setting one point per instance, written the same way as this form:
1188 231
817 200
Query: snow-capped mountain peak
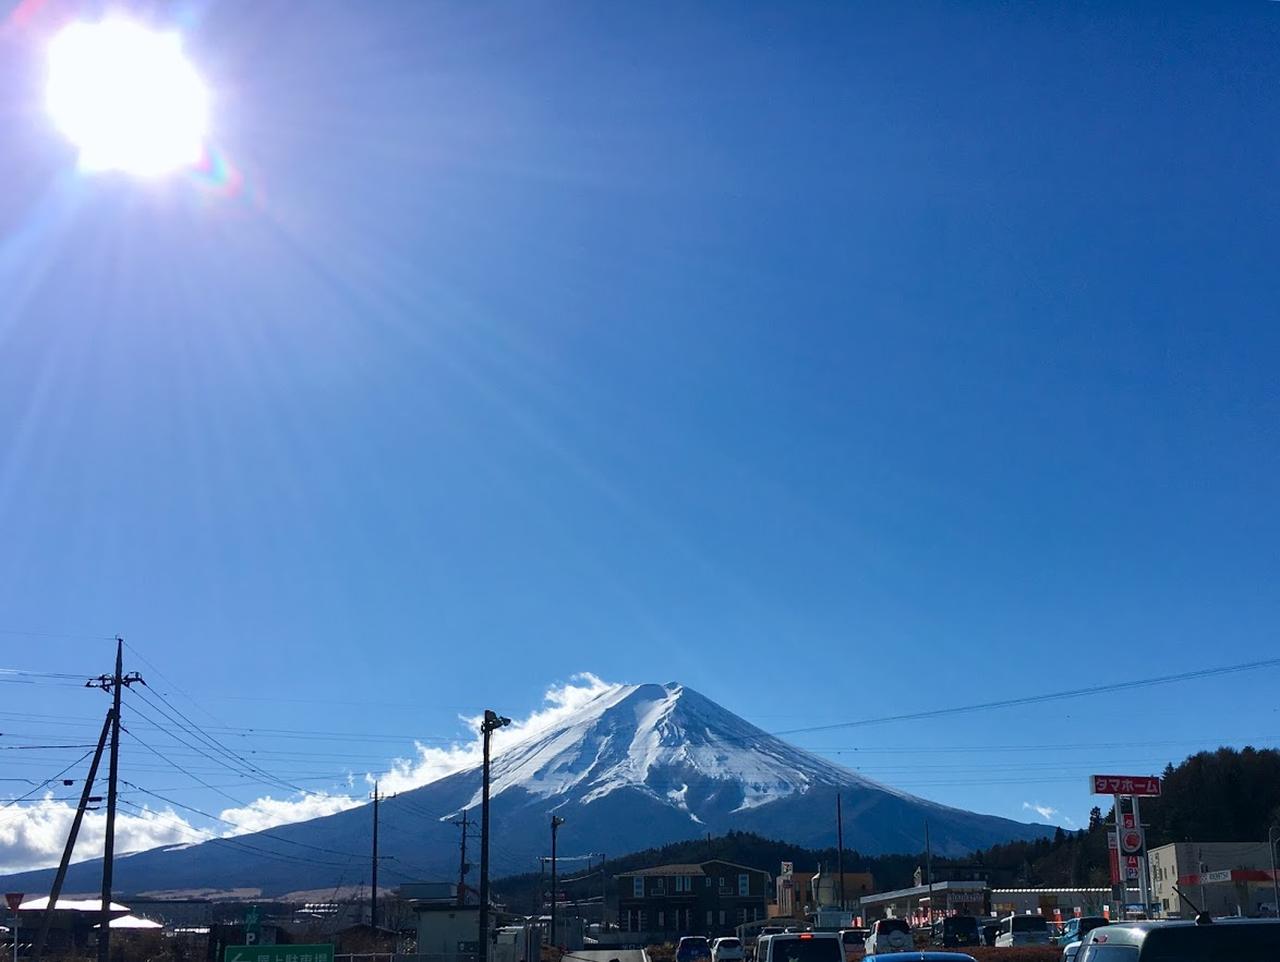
666 741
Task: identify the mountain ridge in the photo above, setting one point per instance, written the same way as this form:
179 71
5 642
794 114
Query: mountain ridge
635 767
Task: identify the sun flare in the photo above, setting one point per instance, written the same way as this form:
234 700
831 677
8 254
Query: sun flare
127 97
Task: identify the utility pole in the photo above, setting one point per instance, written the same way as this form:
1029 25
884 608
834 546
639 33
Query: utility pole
60 877
1273 836
603 906
556 822
840 850
373 892
928 867
492 722
462 861
112 683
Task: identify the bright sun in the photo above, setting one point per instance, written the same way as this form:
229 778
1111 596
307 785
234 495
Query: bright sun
126 97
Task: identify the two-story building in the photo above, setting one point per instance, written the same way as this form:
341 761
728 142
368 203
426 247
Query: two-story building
709 898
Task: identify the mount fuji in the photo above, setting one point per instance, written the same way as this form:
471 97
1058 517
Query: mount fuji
637 766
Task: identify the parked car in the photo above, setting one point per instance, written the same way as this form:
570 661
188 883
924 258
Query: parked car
889 935
726 949
1023 930
956 930
1227 940
989 932
853 940
800 947
1073 934
692 948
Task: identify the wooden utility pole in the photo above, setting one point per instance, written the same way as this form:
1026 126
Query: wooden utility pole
61 876
556 822
462 860
373 894
840 851
114 684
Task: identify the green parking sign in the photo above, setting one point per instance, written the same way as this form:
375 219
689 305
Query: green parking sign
279 953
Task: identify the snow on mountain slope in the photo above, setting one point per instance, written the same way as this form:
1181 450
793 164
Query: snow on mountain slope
663 740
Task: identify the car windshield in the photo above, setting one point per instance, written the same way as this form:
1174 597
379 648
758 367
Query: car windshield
1030 923
807 950
885 926
960 924
852 938
729 944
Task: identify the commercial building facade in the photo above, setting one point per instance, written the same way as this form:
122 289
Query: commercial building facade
1224 878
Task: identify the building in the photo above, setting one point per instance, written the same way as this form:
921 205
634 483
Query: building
825 889
947 898
71 924
1052 902
792 893
1224 878
710 898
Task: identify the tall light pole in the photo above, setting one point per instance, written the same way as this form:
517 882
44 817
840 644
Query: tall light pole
1273 837
556 822
492 722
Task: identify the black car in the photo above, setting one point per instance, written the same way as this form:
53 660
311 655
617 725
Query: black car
693 948
956 930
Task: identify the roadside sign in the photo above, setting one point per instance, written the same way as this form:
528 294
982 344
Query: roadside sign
279 953
14 900
1113 854
1145 786
1131 841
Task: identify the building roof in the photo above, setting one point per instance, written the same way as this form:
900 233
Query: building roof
131 922
697 868
69 905
676 869
916 890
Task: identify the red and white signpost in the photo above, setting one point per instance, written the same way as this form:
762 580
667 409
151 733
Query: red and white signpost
1127 845
14 901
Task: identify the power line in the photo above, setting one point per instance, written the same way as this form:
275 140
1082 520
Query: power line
15 801
1038 699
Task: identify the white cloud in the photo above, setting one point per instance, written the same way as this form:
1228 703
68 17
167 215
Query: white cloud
1044 811
268 812
32 836
432 763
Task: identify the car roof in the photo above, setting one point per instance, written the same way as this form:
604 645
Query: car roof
1133 933
803 935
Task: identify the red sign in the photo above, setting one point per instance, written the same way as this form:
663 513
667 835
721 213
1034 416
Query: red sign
1130 841
1147 786
1131 867
1113 855
14 899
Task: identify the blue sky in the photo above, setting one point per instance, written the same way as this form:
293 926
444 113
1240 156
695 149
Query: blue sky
832 359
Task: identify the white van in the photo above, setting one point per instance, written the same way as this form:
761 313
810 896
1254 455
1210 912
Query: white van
1023 930
800 947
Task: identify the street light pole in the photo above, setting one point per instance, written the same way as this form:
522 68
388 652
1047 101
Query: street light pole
1273 836
492 722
